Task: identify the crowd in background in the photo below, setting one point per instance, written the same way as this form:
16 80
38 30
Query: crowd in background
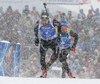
17 27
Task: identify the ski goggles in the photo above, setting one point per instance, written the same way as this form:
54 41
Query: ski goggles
63 23
64 27
44 16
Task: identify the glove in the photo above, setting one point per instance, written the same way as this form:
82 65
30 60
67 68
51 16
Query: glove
36 42
73 48
58 39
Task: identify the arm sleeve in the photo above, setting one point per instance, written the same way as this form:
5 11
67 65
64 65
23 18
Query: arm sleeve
75 36
93 9
36 29
58 24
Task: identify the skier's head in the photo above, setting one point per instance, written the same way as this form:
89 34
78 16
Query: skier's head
44 15
63 26
44 18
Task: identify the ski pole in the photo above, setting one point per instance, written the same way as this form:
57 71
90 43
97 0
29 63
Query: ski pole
45 7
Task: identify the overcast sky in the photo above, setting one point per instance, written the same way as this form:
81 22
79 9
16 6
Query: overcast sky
19 4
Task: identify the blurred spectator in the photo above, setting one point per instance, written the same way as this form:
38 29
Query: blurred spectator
69 16
96 11
63 17
35 14
16 16
82 14
90 14
89 17
57 17
1 12
59 13
9 11
26 11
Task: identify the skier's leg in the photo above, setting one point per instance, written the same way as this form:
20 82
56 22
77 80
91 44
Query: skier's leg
62 59
54 56
42 61
64 54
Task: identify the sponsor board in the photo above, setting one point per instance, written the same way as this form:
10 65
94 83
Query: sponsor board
9 59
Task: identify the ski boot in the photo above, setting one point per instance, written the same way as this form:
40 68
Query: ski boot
44 74
70 75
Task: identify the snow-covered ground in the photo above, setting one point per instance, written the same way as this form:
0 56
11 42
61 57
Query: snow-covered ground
8 80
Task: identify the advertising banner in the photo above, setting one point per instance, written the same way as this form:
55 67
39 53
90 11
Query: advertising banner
9 59
68 1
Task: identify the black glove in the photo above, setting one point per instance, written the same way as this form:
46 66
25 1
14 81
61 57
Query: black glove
36 42
58 39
